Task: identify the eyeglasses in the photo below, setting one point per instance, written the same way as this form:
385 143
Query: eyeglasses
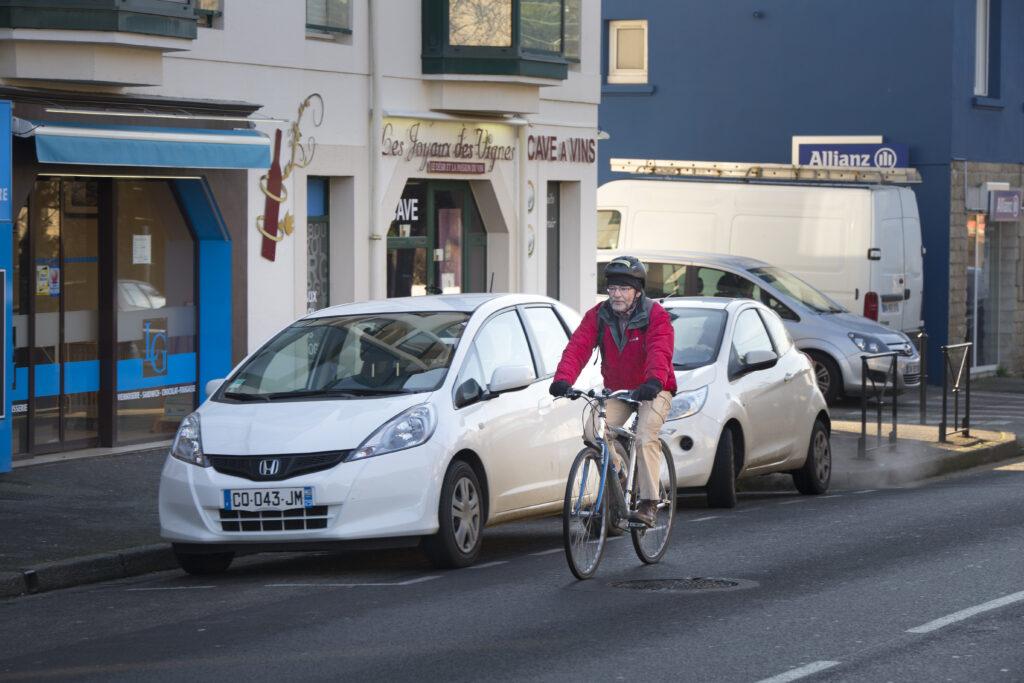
614 289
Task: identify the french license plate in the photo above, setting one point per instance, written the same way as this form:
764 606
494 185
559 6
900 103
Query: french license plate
268 499
912 369
894 307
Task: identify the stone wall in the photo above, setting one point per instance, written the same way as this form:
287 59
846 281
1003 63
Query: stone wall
1008 237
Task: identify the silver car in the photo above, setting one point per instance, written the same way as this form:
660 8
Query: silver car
832 336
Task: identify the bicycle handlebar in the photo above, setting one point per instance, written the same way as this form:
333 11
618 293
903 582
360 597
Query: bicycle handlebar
621 394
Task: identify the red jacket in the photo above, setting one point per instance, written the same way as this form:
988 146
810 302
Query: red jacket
645 353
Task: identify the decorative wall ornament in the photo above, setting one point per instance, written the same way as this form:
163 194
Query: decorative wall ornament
530 241
272 182
529 196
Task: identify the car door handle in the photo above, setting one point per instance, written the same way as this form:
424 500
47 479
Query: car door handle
789 376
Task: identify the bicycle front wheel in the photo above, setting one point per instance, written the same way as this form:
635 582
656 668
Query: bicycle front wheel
584 518
650 544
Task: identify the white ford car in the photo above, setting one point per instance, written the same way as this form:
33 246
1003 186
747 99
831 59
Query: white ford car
415 420
747 404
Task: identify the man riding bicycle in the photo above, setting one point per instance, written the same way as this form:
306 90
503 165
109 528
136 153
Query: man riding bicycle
635 337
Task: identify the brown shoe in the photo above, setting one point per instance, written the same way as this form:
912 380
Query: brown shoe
647 512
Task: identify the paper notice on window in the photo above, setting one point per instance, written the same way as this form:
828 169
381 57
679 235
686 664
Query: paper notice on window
142 250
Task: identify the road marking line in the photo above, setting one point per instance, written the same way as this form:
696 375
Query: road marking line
865 491
489 564
704 519
170 588
967 613
838 495
549 552
793 502
351 585
802 672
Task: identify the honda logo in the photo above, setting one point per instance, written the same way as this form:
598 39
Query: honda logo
269 468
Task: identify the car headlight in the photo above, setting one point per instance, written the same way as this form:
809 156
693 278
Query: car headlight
188 445
411 428
687 403
867 343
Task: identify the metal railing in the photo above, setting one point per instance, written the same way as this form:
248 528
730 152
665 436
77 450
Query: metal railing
922 350
963 374
878 393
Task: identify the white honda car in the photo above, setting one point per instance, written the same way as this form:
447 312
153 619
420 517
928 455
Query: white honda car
413 420
747 404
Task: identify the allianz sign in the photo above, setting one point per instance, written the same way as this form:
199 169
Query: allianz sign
859 155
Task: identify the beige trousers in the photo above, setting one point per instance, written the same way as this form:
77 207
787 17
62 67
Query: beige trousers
651 416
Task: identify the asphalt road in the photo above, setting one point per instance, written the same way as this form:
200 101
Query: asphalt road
914 584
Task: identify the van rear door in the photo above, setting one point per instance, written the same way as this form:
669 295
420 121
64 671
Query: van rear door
913 258
887 289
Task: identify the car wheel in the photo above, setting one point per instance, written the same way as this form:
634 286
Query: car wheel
826 372
814 476
201 564
459 519
721 487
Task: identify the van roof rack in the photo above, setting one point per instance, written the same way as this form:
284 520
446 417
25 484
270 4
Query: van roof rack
728 170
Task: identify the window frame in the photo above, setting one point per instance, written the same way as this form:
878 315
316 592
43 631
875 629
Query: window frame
626 76
330 30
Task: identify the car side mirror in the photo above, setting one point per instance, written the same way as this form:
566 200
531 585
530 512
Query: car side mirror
510 378
212 386
468 392
759 359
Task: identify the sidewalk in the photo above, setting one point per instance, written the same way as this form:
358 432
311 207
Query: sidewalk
71 521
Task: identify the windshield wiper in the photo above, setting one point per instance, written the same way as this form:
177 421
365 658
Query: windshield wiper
237 396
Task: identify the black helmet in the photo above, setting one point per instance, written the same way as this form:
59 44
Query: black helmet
626 270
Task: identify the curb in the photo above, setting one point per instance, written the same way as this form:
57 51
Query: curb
88 569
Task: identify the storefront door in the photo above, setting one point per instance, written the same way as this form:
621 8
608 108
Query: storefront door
436 243
56 318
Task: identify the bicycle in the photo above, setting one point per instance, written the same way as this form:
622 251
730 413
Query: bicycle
593 499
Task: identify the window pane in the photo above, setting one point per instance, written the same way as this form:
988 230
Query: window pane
541 25
549 335
750 335
608 225
629 48
480 22
502 341
572 29
156 313
328 15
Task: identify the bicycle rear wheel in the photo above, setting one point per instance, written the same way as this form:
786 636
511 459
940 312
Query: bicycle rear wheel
650 544
584 515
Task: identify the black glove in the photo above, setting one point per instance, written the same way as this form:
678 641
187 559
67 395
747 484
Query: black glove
647 391
559 388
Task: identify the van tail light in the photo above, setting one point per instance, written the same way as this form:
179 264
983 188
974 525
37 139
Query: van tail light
871 305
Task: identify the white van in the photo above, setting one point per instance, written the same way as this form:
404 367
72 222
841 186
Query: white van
860 244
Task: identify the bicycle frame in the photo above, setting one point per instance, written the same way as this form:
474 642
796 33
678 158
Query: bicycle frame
620 509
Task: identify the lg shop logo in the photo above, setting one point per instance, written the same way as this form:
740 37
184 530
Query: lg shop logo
154 362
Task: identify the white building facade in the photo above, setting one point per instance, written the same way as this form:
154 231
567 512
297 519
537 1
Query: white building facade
402 177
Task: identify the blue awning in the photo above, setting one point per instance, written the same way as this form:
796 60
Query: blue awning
67 143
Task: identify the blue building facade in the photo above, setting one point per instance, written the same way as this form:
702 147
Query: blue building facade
736 81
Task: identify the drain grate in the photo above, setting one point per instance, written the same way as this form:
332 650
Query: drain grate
677 585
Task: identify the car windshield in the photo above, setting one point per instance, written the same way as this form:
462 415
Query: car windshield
698 335
794 287
350 356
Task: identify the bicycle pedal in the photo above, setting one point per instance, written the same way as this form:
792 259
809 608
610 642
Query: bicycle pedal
638 525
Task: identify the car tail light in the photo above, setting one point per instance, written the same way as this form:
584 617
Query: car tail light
871 305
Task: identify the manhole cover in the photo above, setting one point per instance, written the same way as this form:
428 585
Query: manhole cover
678 585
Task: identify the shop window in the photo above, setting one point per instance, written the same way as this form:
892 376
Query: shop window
627 51
328 16
501 37
156 314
